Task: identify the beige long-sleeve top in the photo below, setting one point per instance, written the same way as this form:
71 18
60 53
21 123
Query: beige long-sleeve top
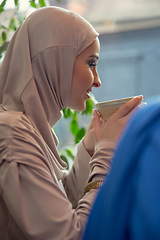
32 203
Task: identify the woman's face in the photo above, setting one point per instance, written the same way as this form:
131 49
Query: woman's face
85 76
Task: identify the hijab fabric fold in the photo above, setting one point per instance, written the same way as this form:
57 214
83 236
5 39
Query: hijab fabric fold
36 74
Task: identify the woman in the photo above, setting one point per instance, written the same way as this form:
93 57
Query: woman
50 64
128 204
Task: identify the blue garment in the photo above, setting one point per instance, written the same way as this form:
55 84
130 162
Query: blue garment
128 204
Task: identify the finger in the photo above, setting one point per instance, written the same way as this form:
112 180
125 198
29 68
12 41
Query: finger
97 123
128 106
139 106
103 121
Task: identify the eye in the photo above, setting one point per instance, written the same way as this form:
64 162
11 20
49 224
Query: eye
92 64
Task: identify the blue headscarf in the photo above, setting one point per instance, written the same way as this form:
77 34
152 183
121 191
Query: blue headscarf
128 204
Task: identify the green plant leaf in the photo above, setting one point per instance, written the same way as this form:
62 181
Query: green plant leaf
74 127
80 135
3 27
67 112
4 47
33 4
89 107
65 160
13 25
2 5
16 2
75 115
42 3
69 152
4 36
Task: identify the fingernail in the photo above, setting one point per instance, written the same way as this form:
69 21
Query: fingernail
140 97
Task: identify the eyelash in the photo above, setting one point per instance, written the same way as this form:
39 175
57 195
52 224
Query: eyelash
92 64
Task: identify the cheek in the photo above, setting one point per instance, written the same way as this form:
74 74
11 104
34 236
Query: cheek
85 79
89 77
82 77
86 73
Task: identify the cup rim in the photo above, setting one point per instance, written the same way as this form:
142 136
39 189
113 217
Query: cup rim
114 103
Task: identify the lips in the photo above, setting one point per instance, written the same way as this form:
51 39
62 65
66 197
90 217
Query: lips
88 94
89 90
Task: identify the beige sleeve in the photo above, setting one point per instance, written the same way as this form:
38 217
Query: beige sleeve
87 169
75 181
100 163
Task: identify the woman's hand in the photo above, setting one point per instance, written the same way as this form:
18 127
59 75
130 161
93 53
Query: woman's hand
115 125
100 129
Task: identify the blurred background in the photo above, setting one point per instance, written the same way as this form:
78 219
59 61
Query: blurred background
129 31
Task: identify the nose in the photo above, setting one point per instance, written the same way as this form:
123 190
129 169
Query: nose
97 81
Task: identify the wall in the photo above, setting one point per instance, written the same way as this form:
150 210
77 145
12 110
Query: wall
129 64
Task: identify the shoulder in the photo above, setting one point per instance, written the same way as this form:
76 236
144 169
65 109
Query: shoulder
18 137
14 123
21 143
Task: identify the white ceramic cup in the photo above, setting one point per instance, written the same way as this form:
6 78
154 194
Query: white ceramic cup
106 109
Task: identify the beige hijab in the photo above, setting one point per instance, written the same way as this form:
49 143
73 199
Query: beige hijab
36 74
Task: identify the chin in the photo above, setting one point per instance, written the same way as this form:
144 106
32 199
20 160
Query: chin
80 108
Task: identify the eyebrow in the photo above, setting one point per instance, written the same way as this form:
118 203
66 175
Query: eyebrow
95 56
